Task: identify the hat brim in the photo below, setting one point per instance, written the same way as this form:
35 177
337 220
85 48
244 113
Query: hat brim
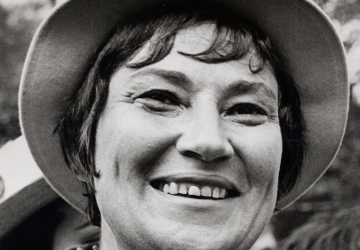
26 191
61 52
25 203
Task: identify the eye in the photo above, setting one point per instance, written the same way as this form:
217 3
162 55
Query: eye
161 96
246 109
247 113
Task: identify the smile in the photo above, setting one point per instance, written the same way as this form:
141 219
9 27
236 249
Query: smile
195 190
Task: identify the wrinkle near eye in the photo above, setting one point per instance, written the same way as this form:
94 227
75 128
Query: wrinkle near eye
274 119
119 99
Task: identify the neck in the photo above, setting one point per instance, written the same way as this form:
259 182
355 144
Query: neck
108 240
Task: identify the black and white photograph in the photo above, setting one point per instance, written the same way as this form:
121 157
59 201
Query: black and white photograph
179 124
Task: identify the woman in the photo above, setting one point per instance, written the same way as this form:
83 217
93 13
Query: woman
184 122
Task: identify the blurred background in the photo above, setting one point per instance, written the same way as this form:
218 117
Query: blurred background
338 189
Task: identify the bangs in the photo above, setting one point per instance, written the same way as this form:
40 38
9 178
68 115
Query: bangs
233 37
227 44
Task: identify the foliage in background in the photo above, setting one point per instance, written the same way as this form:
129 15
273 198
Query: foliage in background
17 26
339 188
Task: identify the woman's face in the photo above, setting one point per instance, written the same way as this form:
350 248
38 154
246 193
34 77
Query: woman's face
188 152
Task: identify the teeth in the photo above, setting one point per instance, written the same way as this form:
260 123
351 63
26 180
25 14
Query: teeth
193 190
174 188
187 189
166 188
206 191
222 193
216 193
183 189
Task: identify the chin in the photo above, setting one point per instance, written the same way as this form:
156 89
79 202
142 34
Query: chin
205 240
176 235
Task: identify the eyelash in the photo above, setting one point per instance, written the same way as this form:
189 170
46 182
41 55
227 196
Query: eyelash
248 109
249 113
160 96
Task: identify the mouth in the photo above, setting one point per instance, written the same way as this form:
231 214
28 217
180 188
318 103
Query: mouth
195 188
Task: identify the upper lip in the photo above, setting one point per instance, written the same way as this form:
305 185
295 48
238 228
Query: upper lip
201 180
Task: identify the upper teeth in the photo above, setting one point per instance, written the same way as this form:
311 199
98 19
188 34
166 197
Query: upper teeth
194 190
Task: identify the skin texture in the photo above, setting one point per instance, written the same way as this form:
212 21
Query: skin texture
181 118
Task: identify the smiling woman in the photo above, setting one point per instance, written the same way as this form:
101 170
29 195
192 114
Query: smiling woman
197 37
186 127
200 136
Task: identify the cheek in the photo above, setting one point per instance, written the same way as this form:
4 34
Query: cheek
261 150
127 143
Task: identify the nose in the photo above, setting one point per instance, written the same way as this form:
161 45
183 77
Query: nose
204 138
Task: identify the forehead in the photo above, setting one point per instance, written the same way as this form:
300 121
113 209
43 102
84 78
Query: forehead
204 38
200 38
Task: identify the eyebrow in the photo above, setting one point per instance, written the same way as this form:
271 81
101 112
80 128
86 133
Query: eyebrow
174 77
247 87
237 87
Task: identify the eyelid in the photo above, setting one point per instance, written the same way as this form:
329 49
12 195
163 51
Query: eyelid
159 91
259 108
176 101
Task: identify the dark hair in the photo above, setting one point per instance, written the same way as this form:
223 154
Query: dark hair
78 123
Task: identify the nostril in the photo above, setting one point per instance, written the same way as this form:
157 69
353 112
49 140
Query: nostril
192 154
206 145
206 157
222 158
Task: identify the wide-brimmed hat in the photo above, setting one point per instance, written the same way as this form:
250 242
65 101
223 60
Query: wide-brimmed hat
64 47
25 189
